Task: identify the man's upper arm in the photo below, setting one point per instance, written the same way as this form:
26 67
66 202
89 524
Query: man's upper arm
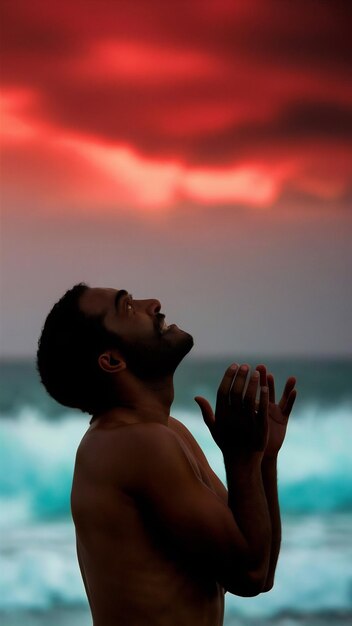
195 521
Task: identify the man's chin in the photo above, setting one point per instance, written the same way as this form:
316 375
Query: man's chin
181 340
184 347
190 341
158 357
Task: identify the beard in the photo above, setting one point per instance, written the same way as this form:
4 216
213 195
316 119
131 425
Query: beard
156 357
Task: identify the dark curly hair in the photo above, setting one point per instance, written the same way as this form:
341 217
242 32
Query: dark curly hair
68 351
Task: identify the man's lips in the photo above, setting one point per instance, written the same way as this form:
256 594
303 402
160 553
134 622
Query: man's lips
162 326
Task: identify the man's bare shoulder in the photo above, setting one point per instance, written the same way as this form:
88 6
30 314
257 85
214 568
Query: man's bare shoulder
122 432
134 432
127 458
118 448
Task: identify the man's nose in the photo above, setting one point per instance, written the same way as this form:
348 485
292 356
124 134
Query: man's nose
153 306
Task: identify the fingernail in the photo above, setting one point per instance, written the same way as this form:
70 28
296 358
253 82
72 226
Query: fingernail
255 374
244 368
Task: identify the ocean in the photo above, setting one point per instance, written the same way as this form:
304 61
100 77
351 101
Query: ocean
40 582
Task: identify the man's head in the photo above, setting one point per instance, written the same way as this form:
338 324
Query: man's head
93 334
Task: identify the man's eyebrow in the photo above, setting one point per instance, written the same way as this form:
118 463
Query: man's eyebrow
120 294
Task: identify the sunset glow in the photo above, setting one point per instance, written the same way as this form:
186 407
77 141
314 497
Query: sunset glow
149 112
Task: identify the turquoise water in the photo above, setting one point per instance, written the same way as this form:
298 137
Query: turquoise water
38 440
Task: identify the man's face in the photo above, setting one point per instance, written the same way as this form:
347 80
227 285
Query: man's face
149 347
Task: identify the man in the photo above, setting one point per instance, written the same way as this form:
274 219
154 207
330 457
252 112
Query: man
159 539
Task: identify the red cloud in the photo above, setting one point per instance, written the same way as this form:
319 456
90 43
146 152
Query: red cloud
147 104
143 63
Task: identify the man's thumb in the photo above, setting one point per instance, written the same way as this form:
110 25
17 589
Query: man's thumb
206 410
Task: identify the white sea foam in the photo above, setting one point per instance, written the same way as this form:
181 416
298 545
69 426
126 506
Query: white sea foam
37 459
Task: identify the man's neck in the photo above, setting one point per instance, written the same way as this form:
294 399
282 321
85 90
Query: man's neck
140 402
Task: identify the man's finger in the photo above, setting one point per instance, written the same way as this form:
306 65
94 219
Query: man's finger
290 402
290 383
251 392
263 404
263 377
222 397
207 411
271 385
236 393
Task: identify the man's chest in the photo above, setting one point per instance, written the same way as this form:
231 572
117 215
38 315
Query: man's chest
192 453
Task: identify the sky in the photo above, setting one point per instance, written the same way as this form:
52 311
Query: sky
198 152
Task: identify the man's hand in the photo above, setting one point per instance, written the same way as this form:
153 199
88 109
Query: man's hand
278 413
239 426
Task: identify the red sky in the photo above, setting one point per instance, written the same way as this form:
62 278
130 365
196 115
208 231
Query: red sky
153 104
191 147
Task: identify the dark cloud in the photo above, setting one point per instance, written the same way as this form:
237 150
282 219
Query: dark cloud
206 83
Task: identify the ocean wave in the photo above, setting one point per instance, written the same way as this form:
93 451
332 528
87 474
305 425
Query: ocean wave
40 570
37 459
315 464
314 571
36 466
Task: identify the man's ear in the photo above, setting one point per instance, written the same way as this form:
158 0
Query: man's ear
111 362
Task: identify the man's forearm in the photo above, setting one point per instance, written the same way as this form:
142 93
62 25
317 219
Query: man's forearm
247 501
269 476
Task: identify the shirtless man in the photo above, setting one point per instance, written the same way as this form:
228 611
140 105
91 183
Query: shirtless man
159 538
